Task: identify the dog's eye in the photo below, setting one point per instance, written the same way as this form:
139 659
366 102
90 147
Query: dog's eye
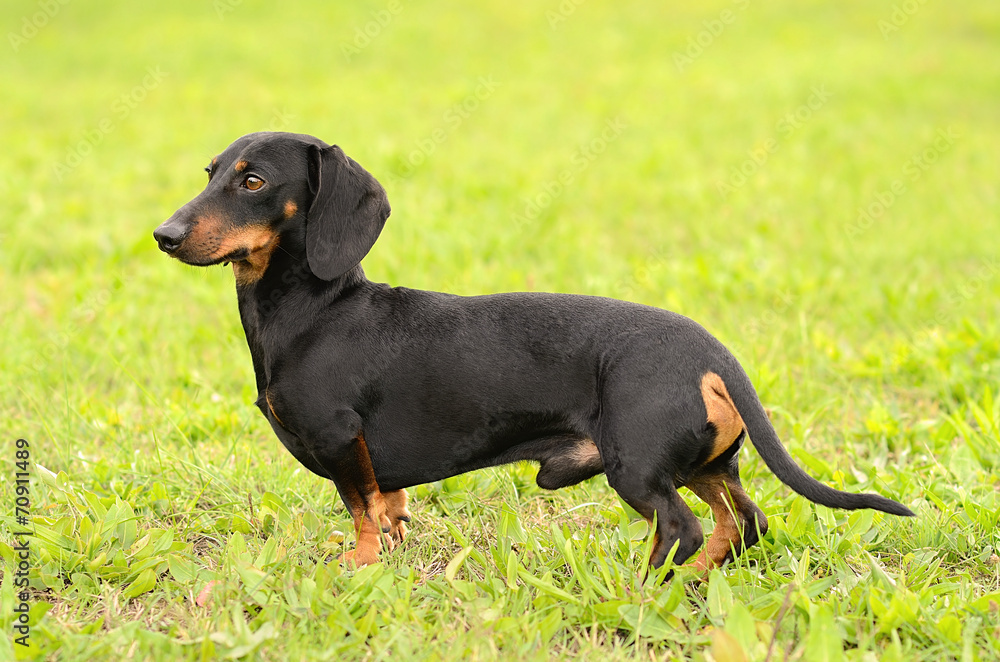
253 183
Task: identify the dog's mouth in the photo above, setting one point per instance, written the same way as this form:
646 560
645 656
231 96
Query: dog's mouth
237 255
233 246
200 261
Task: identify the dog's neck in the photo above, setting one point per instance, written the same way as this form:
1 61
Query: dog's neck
287 285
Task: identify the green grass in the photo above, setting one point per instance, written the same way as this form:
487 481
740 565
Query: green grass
874 340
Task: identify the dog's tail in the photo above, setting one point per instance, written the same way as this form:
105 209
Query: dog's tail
777 459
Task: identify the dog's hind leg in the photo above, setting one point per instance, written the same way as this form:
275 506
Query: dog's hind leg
644 444
658 500
739 523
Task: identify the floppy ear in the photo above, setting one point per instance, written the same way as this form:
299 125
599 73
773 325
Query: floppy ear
348 211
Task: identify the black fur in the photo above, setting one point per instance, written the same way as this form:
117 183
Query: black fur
438 384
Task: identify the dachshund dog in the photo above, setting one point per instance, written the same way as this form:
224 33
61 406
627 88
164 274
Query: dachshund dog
380 388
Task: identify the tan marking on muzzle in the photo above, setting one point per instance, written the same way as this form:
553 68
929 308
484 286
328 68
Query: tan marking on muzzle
202 241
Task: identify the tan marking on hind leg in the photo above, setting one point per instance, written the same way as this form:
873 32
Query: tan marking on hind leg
726 497
722 414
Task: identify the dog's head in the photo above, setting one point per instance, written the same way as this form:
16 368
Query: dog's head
279 189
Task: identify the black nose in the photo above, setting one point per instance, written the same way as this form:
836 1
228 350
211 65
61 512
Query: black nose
169 237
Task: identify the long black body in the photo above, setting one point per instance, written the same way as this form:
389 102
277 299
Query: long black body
446 384
381 388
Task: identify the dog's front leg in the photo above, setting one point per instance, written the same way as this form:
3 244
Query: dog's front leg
355 479
398 513
332 444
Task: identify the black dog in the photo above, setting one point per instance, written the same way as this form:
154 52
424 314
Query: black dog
380 388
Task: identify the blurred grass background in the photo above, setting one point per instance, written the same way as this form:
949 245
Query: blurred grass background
814 182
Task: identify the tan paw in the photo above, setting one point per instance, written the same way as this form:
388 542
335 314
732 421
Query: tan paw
358 558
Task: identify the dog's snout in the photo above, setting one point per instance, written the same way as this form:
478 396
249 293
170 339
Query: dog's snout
170 236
